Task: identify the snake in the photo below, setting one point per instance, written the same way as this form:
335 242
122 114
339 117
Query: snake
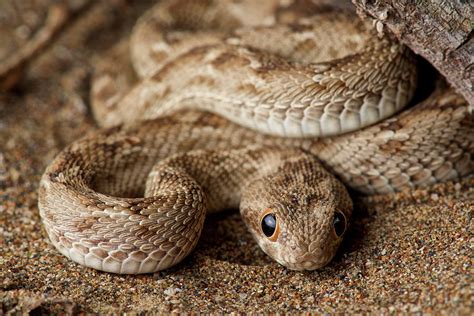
272 107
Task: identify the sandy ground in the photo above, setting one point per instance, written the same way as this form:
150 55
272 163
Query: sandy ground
406 252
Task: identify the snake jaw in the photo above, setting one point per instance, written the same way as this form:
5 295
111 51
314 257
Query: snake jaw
299 256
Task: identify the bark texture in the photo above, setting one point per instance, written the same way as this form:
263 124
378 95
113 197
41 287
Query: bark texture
439 30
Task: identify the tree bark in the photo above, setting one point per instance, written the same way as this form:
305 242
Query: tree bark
441 31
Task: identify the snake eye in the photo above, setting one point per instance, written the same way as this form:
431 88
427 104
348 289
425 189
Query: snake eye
339 223
270 226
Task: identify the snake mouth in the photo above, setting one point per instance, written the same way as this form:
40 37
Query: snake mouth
308 262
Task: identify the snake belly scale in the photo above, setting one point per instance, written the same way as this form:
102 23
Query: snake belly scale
251 105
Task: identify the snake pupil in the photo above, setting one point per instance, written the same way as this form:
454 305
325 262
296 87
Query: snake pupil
339 223
269 225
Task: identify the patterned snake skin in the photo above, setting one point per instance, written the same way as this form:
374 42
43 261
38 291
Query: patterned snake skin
226 113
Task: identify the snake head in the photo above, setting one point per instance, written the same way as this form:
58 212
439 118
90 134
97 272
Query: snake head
298 215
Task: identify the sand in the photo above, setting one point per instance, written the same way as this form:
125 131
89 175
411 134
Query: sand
406 252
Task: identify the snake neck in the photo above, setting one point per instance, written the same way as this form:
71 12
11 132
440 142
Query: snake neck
222 176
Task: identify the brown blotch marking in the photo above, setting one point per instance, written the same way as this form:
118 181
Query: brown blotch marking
227 58
307 45
394 126
195 55
270 62
247 87
300 28
303 8
202 80
211 120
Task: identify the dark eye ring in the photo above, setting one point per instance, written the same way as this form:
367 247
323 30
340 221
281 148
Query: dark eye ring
339 223
270 226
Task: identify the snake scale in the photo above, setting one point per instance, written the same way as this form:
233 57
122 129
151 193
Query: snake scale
270 107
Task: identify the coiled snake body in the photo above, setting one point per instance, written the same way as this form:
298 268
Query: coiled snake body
132 198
